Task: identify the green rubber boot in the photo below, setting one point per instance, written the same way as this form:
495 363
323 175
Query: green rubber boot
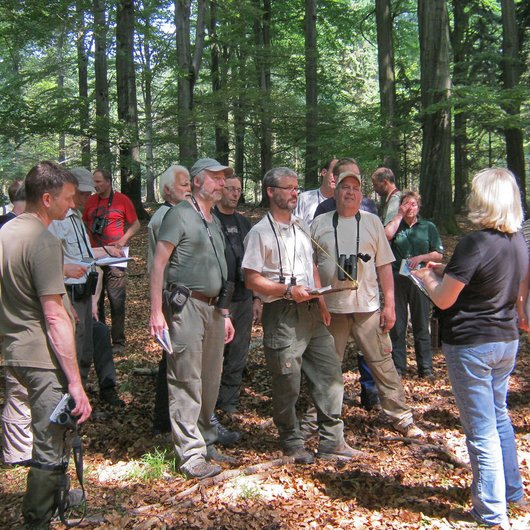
40 501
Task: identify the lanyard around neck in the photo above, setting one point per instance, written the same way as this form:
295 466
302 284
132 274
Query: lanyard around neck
199 211
354 261
282 277
83 236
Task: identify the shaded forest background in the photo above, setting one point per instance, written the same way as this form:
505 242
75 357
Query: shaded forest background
435 89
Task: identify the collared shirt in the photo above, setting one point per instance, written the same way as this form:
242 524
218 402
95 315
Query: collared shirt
74 238
280 249
307 205
420 238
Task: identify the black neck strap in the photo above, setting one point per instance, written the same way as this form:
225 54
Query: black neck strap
282 277
205 223
335 224
79 231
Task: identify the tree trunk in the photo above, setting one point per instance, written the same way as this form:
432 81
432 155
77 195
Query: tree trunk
218 72
435 173
60 86
311 95
82 72
239 117
188 71
511 74
104 156
387 86
130 174
460 78
147 83
263 68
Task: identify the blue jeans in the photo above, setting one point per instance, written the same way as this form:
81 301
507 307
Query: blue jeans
479 377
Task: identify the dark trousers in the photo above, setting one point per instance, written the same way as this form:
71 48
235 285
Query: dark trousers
407 295
369 394
235 356
103 361
114 283
161 413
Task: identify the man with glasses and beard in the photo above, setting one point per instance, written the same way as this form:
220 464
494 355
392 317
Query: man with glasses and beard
190 239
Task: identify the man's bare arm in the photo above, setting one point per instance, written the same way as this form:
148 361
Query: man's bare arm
388 313
60 332
162 254
124 239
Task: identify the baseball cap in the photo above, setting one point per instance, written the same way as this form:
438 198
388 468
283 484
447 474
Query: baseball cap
84 178
345 174
211 165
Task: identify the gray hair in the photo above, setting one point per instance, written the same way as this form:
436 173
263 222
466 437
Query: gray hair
273 176
168 177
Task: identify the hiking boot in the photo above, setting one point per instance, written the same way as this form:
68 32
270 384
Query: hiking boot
212 454
225 437
201 469
340 452
118 348
300 455
110 396
410 431
74 501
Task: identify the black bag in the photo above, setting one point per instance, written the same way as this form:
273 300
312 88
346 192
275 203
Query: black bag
175 297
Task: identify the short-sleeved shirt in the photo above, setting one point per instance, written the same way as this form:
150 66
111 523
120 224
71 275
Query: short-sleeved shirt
235 229
194 262
390 207
274 249
491 264
307 204
152 232
118 215
420 238
372 241
31 266
74 238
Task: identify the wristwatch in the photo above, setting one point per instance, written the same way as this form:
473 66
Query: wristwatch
288 295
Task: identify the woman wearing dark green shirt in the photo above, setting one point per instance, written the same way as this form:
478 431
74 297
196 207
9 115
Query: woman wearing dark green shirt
416 240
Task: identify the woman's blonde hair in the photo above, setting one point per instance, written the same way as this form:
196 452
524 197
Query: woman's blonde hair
495 201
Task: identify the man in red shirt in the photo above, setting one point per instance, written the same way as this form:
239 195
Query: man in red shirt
111 220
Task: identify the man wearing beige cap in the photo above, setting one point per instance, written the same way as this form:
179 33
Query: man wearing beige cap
359 238
80 282
191 245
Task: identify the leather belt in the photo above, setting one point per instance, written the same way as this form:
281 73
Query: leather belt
210 300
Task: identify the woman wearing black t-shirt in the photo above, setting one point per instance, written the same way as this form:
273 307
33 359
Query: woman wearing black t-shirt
477 292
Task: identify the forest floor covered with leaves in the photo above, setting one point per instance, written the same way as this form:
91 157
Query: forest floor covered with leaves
132 480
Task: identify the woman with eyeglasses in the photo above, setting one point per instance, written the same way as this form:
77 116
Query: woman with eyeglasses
477 292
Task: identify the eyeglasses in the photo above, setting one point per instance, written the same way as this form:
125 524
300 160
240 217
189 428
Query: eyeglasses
290 189
231 189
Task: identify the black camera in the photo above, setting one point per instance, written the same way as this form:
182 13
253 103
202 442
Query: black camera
62 414
98 225
81 291
225 295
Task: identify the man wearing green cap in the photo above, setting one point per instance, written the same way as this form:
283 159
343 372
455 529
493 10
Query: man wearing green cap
191 245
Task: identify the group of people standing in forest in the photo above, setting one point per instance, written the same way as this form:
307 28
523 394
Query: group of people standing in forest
311 270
